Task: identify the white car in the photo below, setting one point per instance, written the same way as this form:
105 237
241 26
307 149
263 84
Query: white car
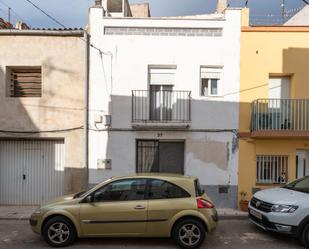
284 210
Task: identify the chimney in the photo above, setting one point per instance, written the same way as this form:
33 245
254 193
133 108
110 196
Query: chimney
21 25
98 2
221 6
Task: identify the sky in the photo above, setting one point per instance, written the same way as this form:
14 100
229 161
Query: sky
73 13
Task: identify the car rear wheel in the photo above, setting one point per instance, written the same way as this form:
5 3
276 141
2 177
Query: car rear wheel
59 232
189 233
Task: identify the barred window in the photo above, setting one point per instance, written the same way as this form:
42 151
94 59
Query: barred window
26 82
272 169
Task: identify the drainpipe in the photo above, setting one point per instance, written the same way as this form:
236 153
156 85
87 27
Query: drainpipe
86 112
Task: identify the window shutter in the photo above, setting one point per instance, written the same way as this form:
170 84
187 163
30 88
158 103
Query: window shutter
210 73
26 82
162 76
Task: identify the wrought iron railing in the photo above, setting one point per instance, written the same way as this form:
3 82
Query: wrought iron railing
280 114
161 106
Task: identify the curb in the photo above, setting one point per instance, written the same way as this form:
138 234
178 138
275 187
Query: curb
233 217
13 218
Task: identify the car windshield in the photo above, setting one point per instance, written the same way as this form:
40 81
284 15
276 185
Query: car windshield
301 185
82 194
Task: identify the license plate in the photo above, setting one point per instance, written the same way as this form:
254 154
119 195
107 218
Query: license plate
256 214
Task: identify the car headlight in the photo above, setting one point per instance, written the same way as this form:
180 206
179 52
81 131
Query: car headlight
38 211
283 208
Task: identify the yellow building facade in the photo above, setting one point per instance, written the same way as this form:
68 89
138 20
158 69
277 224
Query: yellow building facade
274 108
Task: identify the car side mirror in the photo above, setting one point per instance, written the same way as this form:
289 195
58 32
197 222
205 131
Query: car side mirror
89 199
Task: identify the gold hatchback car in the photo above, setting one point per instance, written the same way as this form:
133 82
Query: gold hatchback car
143 205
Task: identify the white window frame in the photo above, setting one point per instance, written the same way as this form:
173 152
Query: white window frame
211 73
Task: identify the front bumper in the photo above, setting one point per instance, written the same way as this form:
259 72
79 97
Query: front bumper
267 225
35 223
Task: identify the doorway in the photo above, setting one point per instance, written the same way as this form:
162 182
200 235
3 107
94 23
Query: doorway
160 156
302 163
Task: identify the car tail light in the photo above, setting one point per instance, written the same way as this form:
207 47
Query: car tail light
201 203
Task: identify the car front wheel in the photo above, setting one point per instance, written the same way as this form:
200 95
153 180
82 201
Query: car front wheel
59 232
189 233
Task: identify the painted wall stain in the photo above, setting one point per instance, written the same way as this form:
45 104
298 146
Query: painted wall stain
209 151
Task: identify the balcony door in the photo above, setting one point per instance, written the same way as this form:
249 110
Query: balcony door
161 102
161 84
279 95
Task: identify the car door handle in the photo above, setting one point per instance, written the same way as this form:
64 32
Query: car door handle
139 207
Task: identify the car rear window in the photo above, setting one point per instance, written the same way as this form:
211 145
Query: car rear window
198 189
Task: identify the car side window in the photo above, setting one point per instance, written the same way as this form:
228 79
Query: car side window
122 190
159 189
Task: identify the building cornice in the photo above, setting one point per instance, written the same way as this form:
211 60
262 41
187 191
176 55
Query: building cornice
275 29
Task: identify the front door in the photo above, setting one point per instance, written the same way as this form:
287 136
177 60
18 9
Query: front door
118 208
302 163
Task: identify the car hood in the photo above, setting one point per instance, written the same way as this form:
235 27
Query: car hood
281 196
59 200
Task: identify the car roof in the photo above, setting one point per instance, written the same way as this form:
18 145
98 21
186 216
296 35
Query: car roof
164 176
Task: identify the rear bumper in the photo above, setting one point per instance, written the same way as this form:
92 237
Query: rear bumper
267 225
212 220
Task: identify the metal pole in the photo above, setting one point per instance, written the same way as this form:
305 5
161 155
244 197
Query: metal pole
9 15
283 11
86 112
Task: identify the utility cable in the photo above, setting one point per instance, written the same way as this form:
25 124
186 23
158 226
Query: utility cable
63 26
44 131
13 11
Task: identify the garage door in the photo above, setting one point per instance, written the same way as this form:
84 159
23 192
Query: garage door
31 172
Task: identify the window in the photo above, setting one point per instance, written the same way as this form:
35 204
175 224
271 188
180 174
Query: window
210 81
123 190
301 185
25 82
272 169
160 156
198 189
159 189
161 83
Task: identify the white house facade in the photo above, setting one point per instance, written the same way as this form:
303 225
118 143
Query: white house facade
164 97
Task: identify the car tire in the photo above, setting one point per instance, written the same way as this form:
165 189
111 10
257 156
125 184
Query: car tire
305 236
59 232
189 233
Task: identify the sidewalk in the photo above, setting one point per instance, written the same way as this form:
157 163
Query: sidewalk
24 212
16 212
231 214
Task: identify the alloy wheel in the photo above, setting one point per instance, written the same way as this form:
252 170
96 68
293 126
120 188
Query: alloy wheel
189 234
58 233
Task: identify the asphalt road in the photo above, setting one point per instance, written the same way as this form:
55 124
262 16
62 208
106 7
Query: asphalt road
236 234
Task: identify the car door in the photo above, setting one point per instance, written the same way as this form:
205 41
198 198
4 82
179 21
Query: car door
165 200
117 208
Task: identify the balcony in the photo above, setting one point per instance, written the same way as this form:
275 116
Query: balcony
161 109
280 118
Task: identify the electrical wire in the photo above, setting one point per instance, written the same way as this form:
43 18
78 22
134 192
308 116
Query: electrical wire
63 26
13 11
44 131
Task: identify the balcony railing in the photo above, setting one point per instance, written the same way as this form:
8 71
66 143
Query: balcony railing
280 115
163 106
